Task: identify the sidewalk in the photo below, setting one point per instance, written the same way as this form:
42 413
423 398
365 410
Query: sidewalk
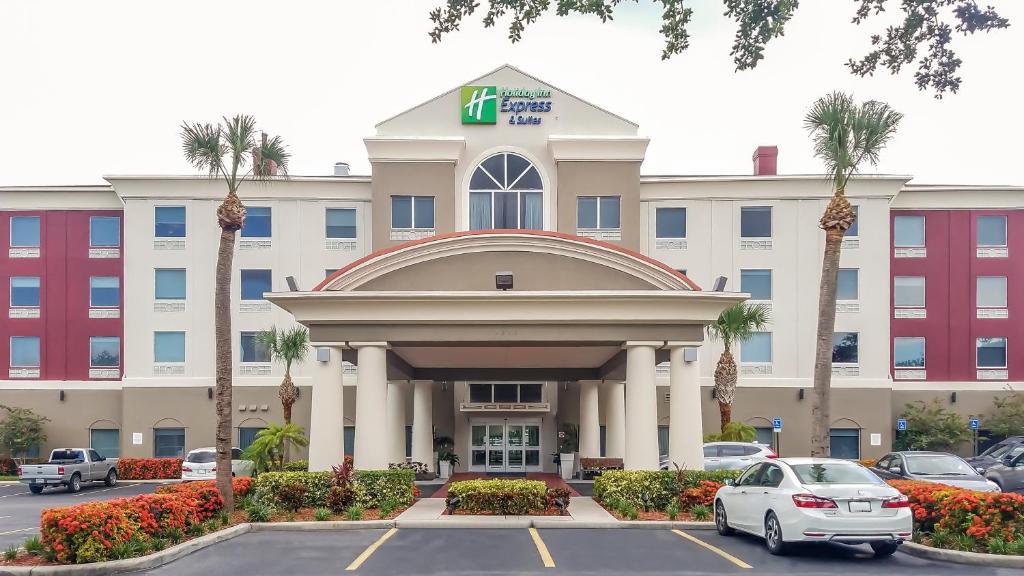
429 513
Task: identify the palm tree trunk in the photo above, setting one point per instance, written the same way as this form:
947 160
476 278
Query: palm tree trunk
222 327
725 386
837 213
287 394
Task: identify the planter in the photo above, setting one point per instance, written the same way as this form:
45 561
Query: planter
566 462
445 469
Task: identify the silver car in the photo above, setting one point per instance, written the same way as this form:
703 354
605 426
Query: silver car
735 455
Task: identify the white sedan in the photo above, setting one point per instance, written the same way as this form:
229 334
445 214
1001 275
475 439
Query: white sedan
814 500
201 464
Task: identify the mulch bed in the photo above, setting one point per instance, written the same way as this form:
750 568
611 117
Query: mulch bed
652 515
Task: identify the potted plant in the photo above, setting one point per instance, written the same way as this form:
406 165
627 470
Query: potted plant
568 442
449 460
441 444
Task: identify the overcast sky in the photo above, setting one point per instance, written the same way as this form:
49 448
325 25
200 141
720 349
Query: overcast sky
101 87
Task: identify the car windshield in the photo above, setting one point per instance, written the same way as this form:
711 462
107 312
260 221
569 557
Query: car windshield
938 465
998 450
834 473
66 455
201 457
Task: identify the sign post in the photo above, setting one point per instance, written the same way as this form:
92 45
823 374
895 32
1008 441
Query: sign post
975 423
776 430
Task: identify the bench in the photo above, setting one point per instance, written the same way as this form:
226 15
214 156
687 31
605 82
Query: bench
591 467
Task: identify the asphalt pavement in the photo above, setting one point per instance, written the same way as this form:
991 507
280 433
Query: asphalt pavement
545 551
20 509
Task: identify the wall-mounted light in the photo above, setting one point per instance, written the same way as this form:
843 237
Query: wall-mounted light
952 398
209 393
719 285
61 395
503 280
292 285
800 394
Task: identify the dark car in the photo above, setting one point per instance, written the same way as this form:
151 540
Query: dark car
996 453
938 467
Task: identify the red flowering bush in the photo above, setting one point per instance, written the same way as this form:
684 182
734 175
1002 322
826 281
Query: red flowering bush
89 531
951 510
703 494
240 487
148 468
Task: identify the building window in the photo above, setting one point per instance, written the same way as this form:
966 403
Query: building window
756 221
757 283
845 348
254 351
106 441
24 231
170 284
257 222
168 442
104 231
846 288
349 440
506 393
757 348
908 291
991 231
991 352
599 212
104 292
25 291
908 231
329 271
845 443
764 435
908 352
991 291
854 229
168 346
104 351
170 222
255 283
24 352
670 222
506 192
409 212
663 440
341 223
246 436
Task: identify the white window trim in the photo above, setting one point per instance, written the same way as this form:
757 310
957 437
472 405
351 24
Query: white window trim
267 362
116 306
1006 349
924 355
412 209
924 293
185 270
341 238
260 299
117 367
857 299
10 351
184 348
1006 296
1006 232
771 223
771 351
544 191
598 227
924 231
686 218
10 238
120 240
10 293
771 283
849 364
155 222
252 238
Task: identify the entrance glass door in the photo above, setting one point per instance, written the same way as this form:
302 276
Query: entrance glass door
514 448
505 447
495 447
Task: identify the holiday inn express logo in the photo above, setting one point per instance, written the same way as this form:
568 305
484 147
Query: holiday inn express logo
479 104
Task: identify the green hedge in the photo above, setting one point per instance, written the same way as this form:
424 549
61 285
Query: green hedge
659 486
372 487
514 497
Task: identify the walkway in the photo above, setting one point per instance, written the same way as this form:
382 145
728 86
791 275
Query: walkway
552 480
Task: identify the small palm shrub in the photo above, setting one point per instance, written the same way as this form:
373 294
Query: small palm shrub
700 512
11 553
291 495
322 514
33 546
354 512
158 544
223 518
387 507
258 512
672 509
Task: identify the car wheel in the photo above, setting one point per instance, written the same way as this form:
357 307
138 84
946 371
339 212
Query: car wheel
111 478
721 520
75 484
773 535
883 549
36 489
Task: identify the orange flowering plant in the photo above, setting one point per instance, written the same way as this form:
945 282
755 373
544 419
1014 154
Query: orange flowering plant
149 468
980 515
703 494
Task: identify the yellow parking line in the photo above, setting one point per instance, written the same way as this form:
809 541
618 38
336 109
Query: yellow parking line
370 550
542 549
714 549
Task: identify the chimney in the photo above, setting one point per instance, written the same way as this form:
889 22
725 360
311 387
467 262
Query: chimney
766 161
341 168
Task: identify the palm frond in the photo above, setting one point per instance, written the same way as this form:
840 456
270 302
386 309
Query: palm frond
845 134
272 150
203 147
240 139
289 346
738 322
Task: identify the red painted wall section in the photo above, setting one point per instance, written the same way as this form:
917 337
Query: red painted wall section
951 268
64 268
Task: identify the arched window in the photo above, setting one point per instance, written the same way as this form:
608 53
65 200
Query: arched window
506 192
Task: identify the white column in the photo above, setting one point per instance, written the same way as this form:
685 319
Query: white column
685 431
396 420
590 423
614 404
641 407
423 423
326 418
371 449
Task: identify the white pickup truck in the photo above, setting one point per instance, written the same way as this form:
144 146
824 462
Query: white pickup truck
69 467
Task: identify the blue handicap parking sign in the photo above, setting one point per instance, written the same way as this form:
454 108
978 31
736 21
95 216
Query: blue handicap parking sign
901 424
974 423
776 424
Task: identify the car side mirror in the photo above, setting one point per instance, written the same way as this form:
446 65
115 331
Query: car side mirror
1007 461
896 470
730 482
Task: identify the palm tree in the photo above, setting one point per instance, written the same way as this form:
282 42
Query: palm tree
845 135
225 150
734 325
270 445
287 346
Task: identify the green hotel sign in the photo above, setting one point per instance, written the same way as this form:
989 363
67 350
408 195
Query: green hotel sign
481 104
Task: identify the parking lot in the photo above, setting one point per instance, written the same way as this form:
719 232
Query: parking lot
522 551
20 509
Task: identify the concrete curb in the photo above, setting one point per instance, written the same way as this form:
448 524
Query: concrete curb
957 557
131 564
330 525
473 522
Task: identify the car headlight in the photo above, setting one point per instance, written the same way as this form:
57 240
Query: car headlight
994 486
